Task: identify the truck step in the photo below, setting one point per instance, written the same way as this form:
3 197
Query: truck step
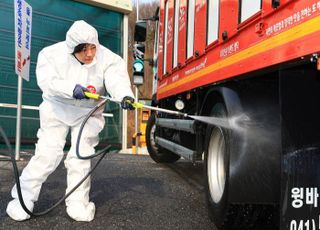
176 148
178 124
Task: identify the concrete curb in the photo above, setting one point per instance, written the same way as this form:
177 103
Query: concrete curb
141 151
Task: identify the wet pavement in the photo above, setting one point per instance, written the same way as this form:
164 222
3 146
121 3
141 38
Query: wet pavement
130 192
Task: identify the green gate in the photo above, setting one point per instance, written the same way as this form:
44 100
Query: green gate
50 21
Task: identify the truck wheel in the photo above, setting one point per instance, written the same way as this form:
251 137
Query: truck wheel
158 154
216 168
225 215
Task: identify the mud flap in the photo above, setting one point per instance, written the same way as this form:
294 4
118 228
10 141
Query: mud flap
300 169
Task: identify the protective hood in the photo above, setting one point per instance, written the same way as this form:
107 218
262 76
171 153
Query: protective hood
81 32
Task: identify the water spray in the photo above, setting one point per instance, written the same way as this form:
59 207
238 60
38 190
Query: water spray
236 123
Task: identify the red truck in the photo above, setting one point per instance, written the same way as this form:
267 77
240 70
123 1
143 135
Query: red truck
250 71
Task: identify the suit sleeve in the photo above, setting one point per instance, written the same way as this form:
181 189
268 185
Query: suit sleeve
116 79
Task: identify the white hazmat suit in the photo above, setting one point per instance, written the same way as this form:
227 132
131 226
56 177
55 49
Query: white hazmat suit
58 72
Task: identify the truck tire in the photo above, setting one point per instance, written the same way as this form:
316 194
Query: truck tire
158 154
216 162
227 216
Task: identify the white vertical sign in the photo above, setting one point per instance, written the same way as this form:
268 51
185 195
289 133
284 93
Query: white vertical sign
23 19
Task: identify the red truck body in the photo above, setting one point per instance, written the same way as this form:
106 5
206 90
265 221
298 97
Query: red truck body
269 37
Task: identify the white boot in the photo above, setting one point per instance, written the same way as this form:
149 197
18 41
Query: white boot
81 212
16 212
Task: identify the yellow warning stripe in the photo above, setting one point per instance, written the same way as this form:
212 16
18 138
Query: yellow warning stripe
295 33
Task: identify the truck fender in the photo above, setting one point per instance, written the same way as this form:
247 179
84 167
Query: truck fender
222 94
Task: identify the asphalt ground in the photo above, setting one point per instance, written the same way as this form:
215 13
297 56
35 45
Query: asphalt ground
129 191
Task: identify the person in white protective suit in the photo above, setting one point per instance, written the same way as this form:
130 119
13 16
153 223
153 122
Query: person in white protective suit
64 72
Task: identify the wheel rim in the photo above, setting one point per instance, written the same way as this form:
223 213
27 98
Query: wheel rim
216 169
153 136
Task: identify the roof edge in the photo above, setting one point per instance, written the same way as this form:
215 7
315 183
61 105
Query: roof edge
123 6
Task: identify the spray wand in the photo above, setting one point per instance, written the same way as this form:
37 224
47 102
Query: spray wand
136 104
215 121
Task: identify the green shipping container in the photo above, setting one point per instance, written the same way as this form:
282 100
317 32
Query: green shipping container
50 21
